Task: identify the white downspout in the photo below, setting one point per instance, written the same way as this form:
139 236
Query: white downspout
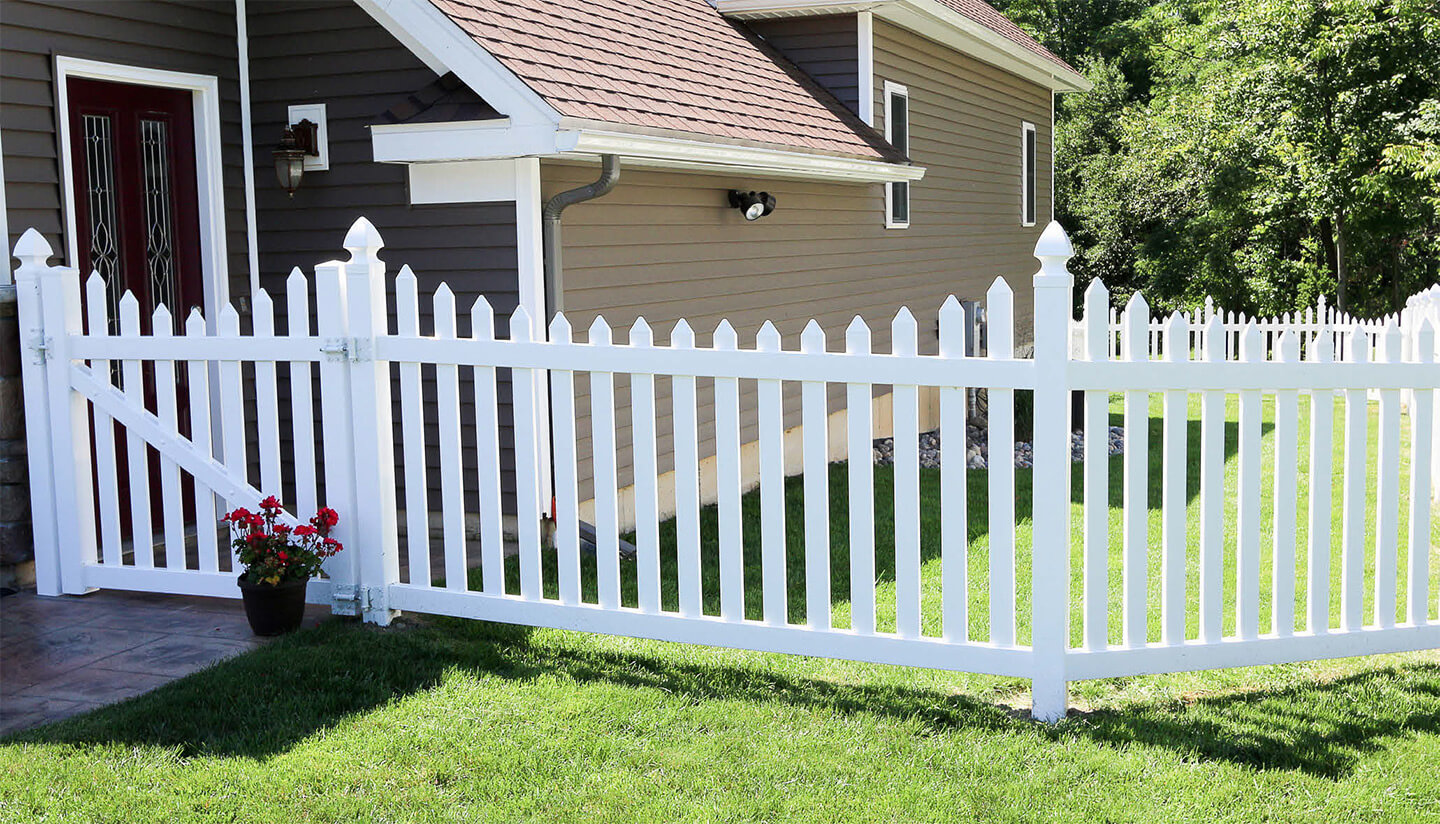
247 147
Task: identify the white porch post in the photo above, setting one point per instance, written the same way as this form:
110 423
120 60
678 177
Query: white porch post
1050 565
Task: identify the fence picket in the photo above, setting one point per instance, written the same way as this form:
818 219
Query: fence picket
412 434
1247 527
452 478
647 472
727 474
1387 483
1321 349
904 340
999 304
1287 406
860 427
1212 489
528 492
107 484
336 441
1136 549
770 419
1422 423
816 450
1173 493
954 525
207 543
1352 536
267 398
602 442
232 413
1097 479
687 478
162 327
567 489
136 450
487 446
302 402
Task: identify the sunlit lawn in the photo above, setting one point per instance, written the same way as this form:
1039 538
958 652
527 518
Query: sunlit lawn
448 720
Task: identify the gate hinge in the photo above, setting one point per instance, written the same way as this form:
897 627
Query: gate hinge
359 349
335 349
40 346
345 599
355 350
350 599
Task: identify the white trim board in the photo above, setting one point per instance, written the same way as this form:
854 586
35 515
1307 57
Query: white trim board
247 144
1026 167
6 277
865 64
892 89
209 171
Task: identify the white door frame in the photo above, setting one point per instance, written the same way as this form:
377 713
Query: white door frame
209 171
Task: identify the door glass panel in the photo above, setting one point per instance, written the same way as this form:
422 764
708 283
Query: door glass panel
100 197
159 226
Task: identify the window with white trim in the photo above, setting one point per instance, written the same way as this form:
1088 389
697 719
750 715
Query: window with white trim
897 133
1027 174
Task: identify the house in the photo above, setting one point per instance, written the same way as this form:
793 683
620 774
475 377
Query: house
898 151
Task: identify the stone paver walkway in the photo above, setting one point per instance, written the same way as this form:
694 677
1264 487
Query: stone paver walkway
68 655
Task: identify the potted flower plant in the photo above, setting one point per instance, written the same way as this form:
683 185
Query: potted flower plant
279 561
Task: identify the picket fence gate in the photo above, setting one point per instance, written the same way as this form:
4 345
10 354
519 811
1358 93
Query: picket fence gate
77 402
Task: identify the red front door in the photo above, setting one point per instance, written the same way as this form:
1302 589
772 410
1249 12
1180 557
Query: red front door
132 151
136 210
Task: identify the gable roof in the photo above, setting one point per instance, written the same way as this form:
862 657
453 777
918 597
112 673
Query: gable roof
670 65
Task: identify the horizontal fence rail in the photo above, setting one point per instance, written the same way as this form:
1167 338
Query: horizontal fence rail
485 467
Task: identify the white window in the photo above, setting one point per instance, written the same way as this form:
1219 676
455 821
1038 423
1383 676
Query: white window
897 132
1027 174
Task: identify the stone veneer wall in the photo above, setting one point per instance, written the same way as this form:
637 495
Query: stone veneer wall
17 550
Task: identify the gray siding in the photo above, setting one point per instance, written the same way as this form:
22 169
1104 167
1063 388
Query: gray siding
332 52
824 47
196 36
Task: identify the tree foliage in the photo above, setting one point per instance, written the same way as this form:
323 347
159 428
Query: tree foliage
1263 152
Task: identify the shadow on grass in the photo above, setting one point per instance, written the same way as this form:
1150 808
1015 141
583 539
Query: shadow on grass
265 702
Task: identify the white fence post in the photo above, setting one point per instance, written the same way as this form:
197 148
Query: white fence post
1050 564
72 495
371 426
34 253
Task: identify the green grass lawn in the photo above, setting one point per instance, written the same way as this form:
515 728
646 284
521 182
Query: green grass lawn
449 720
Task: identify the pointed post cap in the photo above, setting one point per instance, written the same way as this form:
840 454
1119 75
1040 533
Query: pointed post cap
363 239
1053 250
32 249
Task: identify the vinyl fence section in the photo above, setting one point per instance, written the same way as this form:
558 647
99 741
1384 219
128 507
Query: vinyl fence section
191 413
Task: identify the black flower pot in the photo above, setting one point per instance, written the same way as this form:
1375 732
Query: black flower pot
274 609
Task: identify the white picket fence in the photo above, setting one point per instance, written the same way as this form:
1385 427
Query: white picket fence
81 531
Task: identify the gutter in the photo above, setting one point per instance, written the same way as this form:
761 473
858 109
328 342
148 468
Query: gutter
550 225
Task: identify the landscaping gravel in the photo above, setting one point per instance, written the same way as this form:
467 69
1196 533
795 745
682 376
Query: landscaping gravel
977 449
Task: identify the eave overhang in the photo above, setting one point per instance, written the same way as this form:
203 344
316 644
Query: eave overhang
500 139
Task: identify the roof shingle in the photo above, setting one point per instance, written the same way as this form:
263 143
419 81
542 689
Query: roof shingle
667 64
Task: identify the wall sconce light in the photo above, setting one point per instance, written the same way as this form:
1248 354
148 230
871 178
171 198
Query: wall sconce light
299 141
753 205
